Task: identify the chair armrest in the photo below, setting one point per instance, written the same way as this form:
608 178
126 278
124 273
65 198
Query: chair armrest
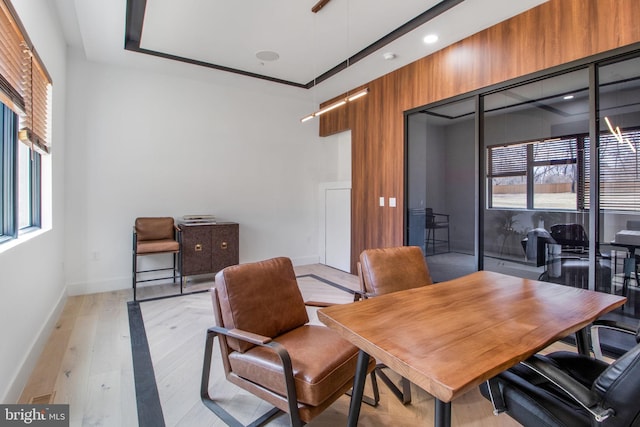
249 337
239 334
319 303
441 214
611 325
614 325
259 340
585 397
358 295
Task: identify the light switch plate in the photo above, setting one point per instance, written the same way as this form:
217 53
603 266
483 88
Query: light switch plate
381 201
392 202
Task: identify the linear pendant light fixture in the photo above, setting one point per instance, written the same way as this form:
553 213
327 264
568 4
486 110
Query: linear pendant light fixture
336 104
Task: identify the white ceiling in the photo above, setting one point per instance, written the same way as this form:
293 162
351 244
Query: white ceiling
229 33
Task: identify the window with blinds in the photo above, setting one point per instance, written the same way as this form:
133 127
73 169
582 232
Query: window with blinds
25 94
25 85
535 174
555 175
619 171
12 61
507 175
559 173
34 127
509 160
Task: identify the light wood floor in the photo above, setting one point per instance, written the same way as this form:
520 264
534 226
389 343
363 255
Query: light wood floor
87 363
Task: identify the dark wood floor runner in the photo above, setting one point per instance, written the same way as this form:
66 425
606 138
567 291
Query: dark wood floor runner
147 398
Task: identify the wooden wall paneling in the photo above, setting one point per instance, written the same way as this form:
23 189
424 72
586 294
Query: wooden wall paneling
393 163
362 205
554 33
367 127
334 121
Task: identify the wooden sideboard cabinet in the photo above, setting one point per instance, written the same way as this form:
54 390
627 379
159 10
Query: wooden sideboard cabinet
208 247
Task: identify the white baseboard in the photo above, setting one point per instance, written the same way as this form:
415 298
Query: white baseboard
124 282
108 285
30 360
312 259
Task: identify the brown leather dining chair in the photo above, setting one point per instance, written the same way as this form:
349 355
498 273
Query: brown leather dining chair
153 236
269 349
387 270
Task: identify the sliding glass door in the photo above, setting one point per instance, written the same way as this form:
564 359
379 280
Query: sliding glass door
441 187
534 145
537 179
619 181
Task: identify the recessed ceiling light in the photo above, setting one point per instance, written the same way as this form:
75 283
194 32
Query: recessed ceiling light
568 97
267 55
430 39
388 56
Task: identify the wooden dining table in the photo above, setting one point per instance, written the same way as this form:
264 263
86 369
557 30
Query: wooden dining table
450 337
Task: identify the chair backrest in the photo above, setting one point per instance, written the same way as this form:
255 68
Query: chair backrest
154 228
619 387
429 218
570 235
394 269
261 297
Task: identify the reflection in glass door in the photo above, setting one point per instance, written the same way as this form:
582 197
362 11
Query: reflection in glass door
535 217
551 204
441 187
619 182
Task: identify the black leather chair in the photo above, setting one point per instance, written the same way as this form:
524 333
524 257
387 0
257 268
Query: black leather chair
570 390
572 237
625 334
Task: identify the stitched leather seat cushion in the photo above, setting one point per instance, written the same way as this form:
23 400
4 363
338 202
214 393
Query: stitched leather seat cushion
155 246
322 362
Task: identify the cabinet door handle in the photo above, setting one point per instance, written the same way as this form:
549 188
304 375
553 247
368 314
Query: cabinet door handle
198 247
223 245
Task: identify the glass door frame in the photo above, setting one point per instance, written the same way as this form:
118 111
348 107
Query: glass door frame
591 63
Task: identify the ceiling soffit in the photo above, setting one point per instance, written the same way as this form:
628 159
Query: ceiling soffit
135 19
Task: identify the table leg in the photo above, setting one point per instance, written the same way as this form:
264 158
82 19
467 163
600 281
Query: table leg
635 268
358 389
442 413
582 342
629 267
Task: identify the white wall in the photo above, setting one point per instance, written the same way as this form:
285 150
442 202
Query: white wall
145 144
32 288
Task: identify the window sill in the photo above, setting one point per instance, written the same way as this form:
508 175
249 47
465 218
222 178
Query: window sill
25 236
